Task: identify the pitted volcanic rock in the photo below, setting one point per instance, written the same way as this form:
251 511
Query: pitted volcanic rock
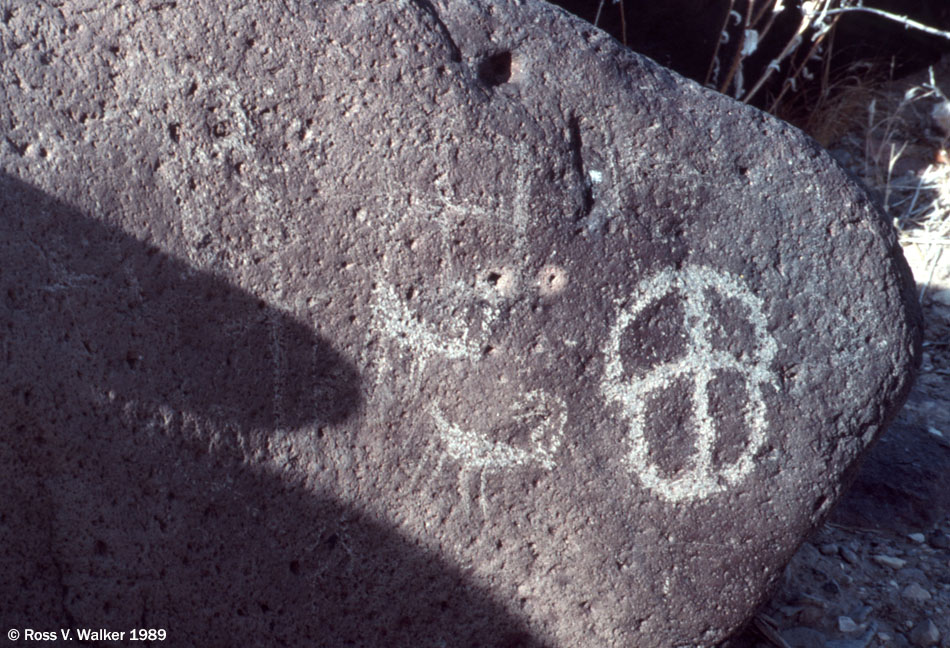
385 323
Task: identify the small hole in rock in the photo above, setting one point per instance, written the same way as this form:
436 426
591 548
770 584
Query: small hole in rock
493 278
552 280
495 69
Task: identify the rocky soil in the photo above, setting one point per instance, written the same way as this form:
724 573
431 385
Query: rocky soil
878 572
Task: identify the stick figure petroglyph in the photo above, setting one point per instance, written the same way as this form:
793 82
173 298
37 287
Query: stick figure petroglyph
700 363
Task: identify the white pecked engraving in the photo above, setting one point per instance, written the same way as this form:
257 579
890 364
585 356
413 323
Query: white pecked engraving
475 439
700 478
546 416
543 414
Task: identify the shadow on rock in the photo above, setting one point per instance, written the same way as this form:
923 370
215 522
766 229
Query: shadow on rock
92 314
137 399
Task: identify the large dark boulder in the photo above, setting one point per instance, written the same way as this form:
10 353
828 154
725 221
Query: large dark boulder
385 323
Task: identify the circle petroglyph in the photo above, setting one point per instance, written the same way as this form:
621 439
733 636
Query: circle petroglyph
697 366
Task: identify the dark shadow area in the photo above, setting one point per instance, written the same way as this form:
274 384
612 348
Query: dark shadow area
137 398
903 484
90 310
683 34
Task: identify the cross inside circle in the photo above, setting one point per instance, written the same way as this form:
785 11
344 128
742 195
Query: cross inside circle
700 477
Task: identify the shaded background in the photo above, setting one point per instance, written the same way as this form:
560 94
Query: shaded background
682 35
121 507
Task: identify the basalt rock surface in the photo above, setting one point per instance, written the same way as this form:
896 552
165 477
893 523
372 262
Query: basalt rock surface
386 323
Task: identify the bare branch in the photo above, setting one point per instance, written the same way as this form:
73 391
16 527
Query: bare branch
904 20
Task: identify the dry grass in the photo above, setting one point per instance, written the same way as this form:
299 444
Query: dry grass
903 155
899 148
751 27
833 110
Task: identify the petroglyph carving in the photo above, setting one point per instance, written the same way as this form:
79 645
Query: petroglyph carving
400 324
700 363
542 415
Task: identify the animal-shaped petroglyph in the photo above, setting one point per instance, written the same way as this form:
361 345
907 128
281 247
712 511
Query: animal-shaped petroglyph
699 365
542 415
505 425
